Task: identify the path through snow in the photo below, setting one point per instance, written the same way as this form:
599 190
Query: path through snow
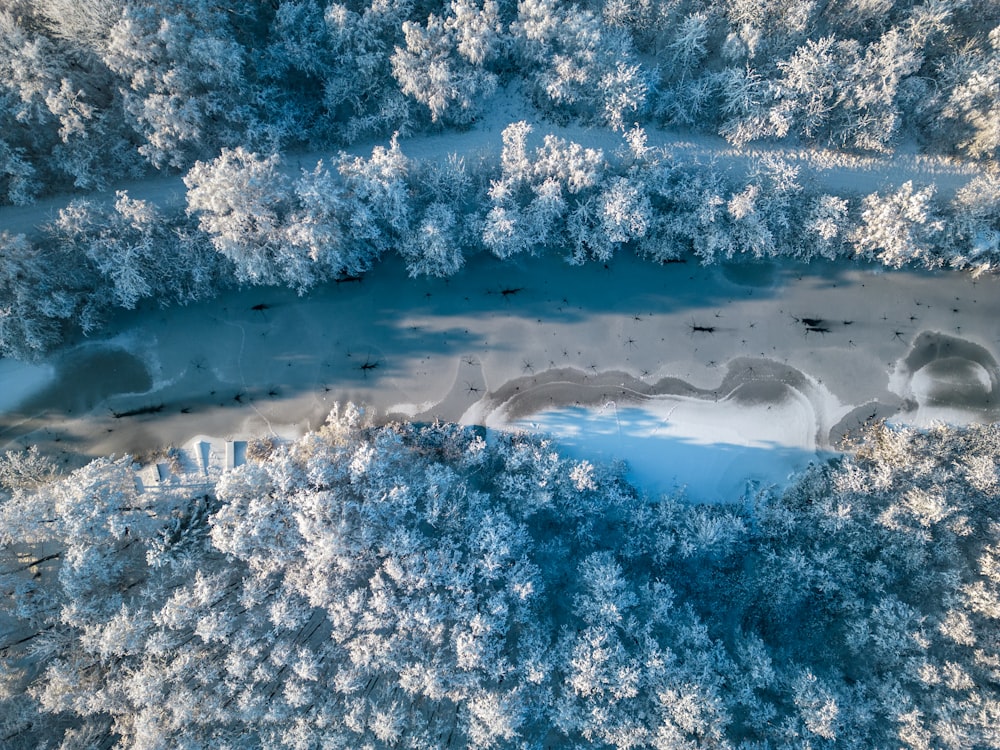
820 169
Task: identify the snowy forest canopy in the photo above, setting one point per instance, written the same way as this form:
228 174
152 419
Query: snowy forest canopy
407 586
95 93
92 91
418 586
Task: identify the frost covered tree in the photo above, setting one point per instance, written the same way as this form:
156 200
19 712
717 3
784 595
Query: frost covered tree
44 291
443 65
17 175
241 201
747 100
812 82
976 222
416 586
61 119
531 199
137 252
827 226
319 225
24 333
848 93
76 21
434 247
183 82
579 67
899 228
974 91
327 68
620 214
377 192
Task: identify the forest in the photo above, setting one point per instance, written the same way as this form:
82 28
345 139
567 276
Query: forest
382 583
421 587
95 93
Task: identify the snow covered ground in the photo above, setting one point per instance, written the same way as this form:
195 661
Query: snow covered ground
703 377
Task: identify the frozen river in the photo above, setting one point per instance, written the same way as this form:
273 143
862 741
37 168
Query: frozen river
697 376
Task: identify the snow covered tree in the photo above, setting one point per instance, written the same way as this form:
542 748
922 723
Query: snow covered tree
443 63
435 246
847 93
409 584
973 79
44 290
319 225
899 228
365 40
535 191
873 98
183 80
813 82
975 220
242 201
327 69
17 175
23 332
378 196
827 226
86 22
747 102
61 119
137 252
688 47
579 67
620 214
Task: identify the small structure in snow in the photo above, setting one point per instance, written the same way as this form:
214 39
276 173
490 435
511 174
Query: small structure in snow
236 453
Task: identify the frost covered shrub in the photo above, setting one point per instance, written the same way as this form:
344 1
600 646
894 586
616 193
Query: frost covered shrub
422 587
